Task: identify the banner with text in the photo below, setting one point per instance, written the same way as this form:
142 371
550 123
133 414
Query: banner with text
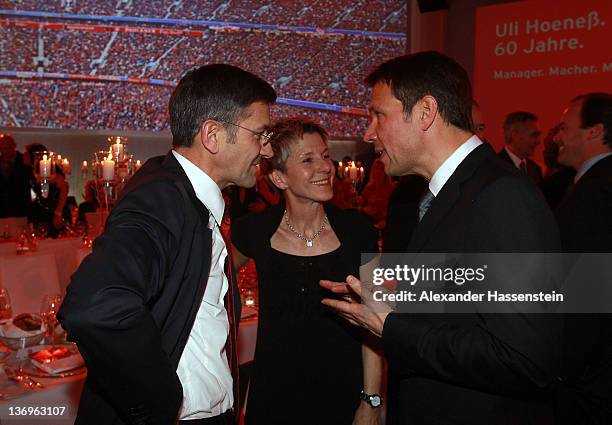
536 55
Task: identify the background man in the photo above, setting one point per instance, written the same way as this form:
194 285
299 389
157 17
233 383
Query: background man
146 308
585 222
14 180
477 119
522 135
472 368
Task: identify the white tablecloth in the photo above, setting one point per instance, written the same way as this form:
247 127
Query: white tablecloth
11 227
67 391
8 248
46 271
28 278
67 254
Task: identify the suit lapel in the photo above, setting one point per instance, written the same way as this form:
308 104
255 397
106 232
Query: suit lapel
447 198
171 165
503 154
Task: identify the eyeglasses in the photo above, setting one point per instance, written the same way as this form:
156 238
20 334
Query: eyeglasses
263 137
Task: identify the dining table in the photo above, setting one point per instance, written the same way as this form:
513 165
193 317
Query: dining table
47 270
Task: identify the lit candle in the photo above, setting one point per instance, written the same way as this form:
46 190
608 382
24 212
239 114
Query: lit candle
66 166
353 171
45 166
59 158
108 169
84 167
118 150
138 165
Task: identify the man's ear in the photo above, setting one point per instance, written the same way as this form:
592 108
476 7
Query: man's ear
210 135
596 132
278 179
427 110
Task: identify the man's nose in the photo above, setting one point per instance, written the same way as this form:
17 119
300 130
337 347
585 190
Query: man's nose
370 134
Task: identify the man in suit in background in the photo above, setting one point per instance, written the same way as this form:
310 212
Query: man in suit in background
522 135
14 180
470 368
478 121
146 308
585 222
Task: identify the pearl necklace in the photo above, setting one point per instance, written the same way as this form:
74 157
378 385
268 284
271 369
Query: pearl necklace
302 237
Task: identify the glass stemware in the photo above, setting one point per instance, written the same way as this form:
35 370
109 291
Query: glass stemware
48 312
6 311
42 230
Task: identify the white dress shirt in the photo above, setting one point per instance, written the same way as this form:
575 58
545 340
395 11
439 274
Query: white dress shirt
586 165
203 368
448 167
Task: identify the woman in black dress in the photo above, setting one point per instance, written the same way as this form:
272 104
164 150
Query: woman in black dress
306 358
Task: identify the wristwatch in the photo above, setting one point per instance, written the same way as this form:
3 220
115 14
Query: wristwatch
374 400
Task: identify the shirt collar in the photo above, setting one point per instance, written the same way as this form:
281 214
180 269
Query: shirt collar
205 188
448 167
517 161
586 166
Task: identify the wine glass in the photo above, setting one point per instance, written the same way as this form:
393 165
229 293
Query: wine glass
6 311
42 229
48 312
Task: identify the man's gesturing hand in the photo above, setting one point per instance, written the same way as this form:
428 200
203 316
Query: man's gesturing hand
352 306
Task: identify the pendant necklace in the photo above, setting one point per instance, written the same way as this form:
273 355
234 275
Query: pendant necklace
302 237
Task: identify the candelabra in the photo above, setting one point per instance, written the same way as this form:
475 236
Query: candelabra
111 169
354 173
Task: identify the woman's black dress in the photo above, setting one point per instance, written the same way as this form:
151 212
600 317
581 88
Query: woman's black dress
307 367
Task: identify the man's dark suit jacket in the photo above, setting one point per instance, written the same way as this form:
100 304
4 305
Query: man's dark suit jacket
132 303
585 221
477 368
555 185
534 172
403 213
15 189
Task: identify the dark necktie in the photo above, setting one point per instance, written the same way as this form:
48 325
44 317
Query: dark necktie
232 342
523 167
424 203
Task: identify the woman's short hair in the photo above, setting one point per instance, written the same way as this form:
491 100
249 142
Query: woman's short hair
285 134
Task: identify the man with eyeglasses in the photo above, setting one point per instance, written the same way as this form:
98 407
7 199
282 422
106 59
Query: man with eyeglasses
147 307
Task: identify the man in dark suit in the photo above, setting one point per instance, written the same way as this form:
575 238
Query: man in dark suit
402 213
522 135
585 222
147 307
480 127
471 368
14 180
